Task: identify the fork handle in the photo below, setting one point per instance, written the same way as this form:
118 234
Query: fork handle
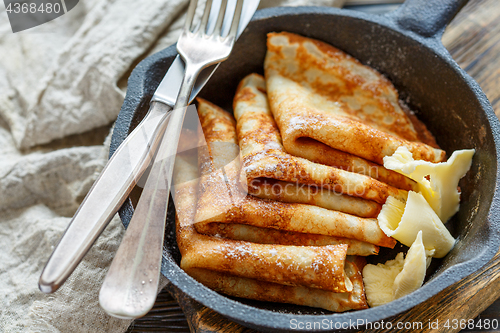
105 197
131 285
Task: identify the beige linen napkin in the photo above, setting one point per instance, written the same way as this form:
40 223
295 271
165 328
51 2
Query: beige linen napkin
63 78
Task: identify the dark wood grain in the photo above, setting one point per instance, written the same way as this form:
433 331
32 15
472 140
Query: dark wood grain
473 39
166 316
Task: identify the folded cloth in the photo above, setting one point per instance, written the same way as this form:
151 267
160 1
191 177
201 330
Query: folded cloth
318 93
36 190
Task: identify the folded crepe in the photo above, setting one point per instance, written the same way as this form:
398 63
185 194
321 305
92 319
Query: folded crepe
272 236
319 267
230 266
223 199
264 157
314 267
300 295
327 103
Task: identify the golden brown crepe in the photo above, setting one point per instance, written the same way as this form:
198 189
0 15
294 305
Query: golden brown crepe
251 97
272 292
319 267
222 198
219 128
325 102
193 248
273 236
263 156
290 217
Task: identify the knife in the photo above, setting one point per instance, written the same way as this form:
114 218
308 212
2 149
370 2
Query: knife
124 169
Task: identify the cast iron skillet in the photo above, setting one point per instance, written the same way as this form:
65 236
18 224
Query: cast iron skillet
405 46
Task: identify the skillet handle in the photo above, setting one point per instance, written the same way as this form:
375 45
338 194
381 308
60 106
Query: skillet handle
426 18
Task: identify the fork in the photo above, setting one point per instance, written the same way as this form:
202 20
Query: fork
130 287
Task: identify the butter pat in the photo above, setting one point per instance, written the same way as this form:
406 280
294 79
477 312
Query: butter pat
403 222
396 278
413 274
441 190
379 280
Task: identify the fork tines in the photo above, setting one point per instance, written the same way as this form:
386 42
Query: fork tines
224 17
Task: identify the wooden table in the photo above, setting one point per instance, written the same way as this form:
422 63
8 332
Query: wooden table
473 39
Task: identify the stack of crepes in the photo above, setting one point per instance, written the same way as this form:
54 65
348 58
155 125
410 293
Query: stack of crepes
281 206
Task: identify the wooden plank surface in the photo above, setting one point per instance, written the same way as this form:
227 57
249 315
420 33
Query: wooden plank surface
473 39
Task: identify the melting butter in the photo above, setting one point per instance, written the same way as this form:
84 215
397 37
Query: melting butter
441 190
404 221
413 274
379 280
396 278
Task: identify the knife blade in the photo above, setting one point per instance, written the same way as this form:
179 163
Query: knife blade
123 170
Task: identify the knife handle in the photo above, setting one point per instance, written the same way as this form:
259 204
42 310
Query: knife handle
106 196
131 285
